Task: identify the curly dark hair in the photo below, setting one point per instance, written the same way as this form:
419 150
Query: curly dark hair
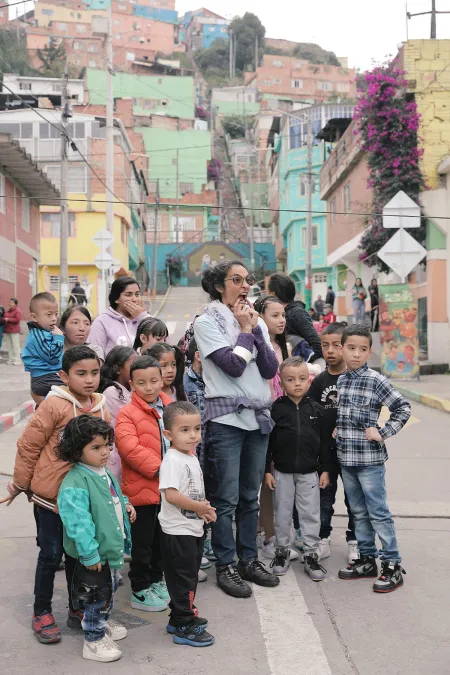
79 432
110 370
214 275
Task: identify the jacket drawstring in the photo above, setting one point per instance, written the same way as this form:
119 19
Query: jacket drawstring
129 336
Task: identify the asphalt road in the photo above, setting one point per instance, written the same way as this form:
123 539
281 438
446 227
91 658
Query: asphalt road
330 628
180 308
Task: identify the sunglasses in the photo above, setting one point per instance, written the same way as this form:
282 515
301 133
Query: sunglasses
239 281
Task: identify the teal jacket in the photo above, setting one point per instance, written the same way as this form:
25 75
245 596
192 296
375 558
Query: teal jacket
91 528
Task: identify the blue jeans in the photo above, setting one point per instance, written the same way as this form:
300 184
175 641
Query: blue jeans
97 611
358 311
235 461
366 493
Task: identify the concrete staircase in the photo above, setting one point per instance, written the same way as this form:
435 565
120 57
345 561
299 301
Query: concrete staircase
233 220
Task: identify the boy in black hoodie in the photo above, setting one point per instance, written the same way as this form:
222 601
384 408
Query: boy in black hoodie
298 442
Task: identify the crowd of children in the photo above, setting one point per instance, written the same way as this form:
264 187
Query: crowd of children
112 460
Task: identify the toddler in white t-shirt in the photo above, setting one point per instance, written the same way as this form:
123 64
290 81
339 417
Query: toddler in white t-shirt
184 510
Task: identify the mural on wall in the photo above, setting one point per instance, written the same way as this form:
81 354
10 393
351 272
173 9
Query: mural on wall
207 254
399 332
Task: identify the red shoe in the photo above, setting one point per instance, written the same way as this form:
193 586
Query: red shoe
74 619
45 628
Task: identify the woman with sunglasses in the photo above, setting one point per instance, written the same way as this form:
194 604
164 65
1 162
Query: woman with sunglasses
238 362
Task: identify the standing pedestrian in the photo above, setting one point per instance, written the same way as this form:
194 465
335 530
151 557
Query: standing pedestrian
184 512
237 363
330 297
359 296
318 305
118 324
362 455
78 295
12 319
298 320
2 324
374 308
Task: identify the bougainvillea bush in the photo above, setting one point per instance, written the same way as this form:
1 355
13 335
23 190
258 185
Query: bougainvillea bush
388 124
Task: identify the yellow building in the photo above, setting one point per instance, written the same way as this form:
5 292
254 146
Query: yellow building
427 67
83 225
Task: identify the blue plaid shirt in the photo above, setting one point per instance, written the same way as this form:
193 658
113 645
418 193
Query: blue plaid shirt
361 395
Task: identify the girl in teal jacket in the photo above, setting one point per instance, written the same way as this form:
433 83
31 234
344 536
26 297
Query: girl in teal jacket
96 519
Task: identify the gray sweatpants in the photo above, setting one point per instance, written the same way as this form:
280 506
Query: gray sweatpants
303 489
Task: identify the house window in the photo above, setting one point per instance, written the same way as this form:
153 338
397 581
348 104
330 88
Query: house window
122 7
81 28
333 211
297 84
277 63
298 65
76 179
77 46
119 36
2 193
92 64
325 86
61 26
93 47
54 282
116 22
51 225
347 198
133 38
26 216
131 56
7 271
123 233
315 238
56 87
25 86
186 188
47 12
152 186
343 86
304 185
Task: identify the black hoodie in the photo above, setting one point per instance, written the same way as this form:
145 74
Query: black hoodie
298 322
300 440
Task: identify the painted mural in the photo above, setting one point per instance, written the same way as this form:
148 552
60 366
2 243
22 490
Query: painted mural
399 332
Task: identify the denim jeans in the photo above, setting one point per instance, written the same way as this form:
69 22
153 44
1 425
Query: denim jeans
235 461
366 493
327 501
50 542
97 611
358 311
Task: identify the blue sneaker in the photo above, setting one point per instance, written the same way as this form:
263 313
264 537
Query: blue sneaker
147 601
298 541
198 621
160 588
208 551
192 635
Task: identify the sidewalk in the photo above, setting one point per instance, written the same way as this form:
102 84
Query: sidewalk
431 390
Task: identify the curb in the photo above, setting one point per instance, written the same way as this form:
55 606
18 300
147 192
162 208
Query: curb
12 418
429 400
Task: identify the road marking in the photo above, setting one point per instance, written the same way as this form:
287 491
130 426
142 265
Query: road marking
385 414
283 613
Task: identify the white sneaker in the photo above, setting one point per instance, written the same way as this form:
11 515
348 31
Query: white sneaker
104 650
202 576
259 539
294 554
115 630
205 563
323 549
268 550
353 552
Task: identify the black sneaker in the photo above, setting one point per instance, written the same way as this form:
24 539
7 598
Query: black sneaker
254 570
390 577
198 621
361 568
231 583
195 636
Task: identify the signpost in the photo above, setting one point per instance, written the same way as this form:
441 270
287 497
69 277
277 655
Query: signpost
104 260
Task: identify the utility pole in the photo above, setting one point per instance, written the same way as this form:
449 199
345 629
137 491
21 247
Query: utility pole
256 53
251 233
155 241
109 129
64 226
177 208
231 54
433 12
308 252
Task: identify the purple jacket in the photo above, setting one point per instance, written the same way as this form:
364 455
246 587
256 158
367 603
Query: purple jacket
115 403
111 329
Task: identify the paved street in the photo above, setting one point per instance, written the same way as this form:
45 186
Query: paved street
331 628
180 308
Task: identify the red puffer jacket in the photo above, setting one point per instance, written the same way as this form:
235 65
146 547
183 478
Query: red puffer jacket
13 324
138 440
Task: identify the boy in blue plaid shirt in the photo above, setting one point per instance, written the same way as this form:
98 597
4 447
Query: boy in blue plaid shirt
362 453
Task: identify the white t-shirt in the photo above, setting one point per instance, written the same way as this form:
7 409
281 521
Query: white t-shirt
101 471
251 384
183 473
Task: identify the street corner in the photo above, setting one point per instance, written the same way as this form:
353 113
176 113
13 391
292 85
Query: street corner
10 419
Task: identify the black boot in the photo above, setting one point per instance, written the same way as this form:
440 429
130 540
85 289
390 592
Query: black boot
229 580
254 570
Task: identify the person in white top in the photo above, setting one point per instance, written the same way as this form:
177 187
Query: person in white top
184 510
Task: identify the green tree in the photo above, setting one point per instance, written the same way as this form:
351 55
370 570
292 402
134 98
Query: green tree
246 29
53 59
14 54
315 54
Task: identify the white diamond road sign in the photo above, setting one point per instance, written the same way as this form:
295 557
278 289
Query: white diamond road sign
402 253
401 211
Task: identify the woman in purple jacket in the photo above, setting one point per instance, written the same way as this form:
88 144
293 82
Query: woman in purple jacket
118 324
237 361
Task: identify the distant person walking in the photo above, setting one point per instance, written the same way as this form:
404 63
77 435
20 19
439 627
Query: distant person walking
359 295
330 297
318 305
78 295
12 319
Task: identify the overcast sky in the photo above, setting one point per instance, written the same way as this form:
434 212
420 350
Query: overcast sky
359 29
